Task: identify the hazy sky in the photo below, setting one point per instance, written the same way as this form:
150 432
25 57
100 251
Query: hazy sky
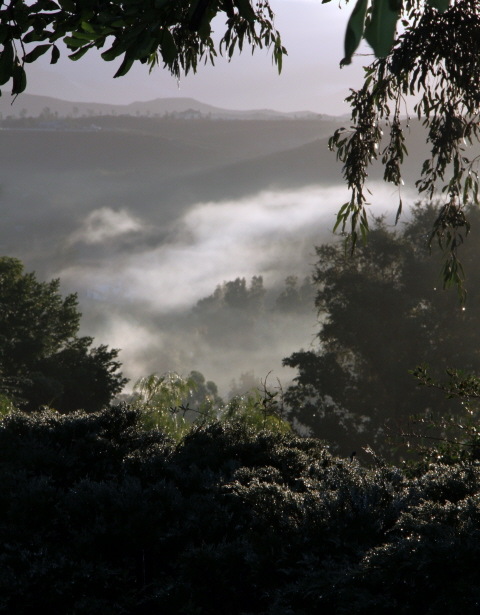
311 79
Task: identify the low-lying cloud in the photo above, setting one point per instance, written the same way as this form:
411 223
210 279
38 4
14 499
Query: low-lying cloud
104 224
139 299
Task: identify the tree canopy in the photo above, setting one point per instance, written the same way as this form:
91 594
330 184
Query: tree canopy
436 60
381 314
42 359
176 33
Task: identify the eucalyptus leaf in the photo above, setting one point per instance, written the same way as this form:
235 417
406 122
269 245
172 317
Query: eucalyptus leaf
354 31
380 31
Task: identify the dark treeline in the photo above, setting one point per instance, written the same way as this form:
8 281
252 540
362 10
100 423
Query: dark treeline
105 510
100 516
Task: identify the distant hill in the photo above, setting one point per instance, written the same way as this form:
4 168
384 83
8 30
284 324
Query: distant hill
30 105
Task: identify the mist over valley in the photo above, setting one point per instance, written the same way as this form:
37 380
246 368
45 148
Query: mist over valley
148 216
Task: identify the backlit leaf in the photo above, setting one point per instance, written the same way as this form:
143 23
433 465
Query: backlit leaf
380 31
354 31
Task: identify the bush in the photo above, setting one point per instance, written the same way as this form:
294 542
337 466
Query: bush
101 516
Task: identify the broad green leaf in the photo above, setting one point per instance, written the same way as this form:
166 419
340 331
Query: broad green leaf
33 37
125 66
37 52
354 31
47 5
440 5
73 43
6 62
113 52
85 36
55 55
380 31
19 80
87 27
79 53
168 48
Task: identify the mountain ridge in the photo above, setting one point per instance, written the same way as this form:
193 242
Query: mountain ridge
33 105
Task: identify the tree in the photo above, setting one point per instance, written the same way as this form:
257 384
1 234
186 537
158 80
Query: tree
436 59
177 33
42 361
381 314
178 406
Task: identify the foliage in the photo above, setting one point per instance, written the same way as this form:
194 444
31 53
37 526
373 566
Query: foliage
381 314
249 315
257 409
377 23
176 33
6 405
101 516
178 405
435 59
294 296
165 402
448 438
42 361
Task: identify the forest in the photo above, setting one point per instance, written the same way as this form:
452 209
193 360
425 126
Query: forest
359 479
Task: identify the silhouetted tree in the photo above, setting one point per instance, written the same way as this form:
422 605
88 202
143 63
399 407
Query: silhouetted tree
380 314
42 361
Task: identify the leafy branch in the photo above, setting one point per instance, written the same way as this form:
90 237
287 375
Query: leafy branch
436 60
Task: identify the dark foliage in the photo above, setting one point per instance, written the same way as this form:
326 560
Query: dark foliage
99 516
381 313
42 361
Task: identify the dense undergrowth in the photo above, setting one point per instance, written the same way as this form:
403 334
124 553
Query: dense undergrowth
100 515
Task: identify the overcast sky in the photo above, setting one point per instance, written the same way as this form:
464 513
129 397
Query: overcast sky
311 79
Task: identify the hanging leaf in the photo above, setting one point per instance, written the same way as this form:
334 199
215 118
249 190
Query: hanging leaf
380 31
37 52
80 53
168 48
55 55
112 53
73 42
125 66
354 31
6 62
19 80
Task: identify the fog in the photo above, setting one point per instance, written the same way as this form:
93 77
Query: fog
144 218
142 301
